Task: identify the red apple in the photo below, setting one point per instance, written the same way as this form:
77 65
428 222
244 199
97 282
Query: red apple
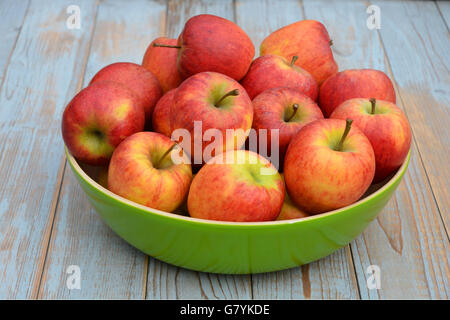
386 127
142 170
272 71
211 43
329 164
285 109
211 101
309 41
357 83
161 114
162 62
236 186
141 81
290 211
98 118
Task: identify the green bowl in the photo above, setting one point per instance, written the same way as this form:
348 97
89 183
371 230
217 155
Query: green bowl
232 247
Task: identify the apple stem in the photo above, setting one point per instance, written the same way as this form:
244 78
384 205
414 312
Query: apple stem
234 92
165 155
294 58
348 126
373 101
331 42
295 107
166 45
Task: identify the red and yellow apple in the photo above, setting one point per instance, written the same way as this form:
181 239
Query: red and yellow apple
286 110
162 62
329 164
211 43
290 211
212 101
272 71
356 83
142 170
238 186
138 79
98 118
386 127
161 114
309 41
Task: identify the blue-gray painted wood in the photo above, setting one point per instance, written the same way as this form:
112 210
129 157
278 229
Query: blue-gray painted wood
43 71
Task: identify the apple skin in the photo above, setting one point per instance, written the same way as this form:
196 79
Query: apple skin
133 174
195 100
307 39
161 114
272 71
388 131
272 108
355 83
290 211
236 190
162 62
98 118
141 81
211 43
320 179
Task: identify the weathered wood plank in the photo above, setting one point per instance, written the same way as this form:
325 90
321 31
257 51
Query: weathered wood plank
416 266
110 268
13 13
169 282
408 238
43 70
332 277
444 9
423 78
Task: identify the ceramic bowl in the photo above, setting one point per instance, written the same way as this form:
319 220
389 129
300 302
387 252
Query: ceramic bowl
231 247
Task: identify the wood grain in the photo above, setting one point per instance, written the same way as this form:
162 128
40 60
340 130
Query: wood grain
332 277
444 10
43 70
423 78
110 268
13 14
393 240
166 281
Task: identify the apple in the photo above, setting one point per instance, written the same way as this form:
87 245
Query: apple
161 114
98 118
309 41
285 109
212 101
141 81
355 83
162 62
211 43
329 164
290 211
239 186
386 127
272 71
142 170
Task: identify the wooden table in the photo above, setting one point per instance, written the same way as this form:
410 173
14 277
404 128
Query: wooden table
47 224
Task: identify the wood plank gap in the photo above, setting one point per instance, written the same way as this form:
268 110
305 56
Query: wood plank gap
355 275
48 234
36 293
145 277
414 140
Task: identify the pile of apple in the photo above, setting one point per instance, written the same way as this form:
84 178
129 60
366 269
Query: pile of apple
338 132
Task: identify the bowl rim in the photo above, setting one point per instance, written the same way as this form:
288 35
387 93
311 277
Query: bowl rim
76 167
